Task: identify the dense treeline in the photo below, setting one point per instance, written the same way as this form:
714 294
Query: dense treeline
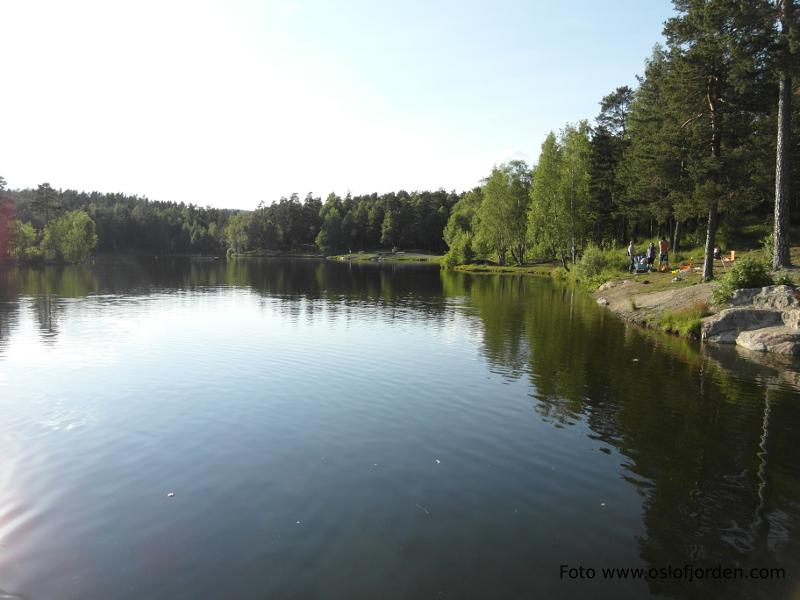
122 223
393 220
691 154
130 224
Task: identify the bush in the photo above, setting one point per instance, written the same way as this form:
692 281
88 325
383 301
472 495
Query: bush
596 266
745 273
592 263
782 278
768 248
449 260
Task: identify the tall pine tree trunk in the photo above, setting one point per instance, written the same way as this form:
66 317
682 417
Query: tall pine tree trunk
713 208
711 234
780 254
675 238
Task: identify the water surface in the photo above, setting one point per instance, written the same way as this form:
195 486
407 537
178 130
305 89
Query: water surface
364 431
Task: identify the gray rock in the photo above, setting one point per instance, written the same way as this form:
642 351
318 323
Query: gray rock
611 284
773 297
778 340
791 318
725 326
602 301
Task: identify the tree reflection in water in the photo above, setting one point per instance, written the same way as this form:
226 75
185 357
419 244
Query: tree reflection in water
706 436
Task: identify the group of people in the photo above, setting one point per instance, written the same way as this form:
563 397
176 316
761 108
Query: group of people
650 255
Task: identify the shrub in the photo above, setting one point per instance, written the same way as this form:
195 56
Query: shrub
592 263
768 248
745 273
782 278
449 260
596 266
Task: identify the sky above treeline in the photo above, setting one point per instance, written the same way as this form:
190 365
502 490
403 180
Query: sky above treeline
228 103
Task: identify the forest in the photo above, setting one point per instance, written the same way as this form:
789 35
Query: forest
703 152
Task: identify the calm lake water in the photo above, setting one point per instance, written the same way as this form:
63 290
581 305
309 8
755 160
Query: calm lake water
364 431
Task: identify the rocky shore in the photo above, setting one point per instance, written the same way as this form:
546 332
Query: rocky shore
760 319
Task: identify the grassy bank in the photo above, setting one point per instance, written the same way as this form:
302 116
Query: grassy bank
262 253
394 257
542 270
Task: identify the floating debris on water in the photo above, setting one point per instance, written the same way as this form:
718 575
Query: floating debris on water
170 494
423 509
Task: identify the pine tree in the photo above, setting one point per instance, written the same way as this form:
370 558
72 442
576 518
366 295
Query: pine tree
787 42
716 70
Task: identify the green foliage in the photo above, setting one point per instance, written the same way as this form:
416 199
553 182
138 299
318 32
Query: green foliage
332 236
546 212
499 221
592 263
46 204
686 322
768 247
596 266
138 225
450 260
559 220
236 232
745 273
390 229
70 237
22 244
783 278
458 233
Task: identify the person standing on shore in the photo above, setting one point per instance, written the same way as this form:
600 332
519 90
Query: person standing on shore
663 249
651 254
631 257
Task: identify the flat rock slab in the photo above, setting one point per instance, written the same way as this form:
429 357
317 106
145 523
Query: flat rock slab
725 326
778 340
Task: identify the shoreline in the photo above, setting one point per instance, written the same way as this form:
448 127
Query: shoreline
650 300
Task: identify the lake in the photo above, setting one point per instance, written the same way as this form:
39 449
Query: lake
310 429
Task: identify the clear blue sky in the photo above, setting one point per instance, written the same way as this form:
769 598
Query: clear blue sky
230 103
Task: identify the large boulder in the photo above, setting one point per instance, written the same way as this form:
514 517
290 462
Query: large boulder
773 297
779 340
725 326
